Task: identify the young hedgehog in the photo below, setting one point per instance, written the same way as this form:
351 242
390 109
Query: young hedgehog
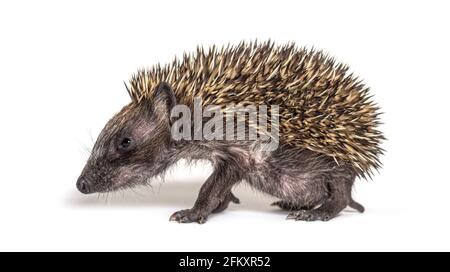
327 130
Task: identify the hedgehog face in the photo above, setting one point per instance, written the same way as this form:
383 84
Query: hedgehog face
131 147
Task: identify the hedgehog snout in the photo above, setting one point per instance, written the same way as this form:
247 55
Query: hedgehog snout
84 185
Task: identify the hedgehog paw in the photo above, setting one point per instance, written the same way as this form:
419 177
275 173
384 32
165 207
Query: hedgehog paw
309 215
188 216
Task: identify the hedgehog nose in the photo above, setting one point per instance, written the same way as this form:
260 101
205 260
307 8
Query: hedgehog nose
83 185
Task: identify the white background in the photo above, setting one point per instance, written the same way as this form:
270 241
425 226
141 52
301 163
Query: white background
62 67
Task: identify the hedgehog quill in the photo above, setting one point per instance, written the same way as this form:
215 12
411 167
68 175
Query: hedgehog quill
327 130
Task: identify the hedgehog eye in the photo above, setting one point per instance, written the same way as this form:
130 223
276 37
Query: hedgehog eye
125 143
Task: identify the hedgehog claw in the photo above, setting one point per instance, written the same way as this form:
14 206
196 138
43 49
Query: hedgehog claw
187 216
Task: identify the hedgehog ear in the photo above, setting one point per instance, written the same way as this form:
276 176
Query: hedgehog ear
164 96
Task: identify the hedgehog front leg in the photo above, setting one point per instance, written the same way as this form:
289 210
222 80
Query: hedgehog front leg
224 204
214 196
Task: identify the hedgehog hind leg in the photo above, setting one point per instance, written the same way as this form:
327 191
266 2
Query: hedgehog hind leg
351 202
290 206
328 210
339 186
355 205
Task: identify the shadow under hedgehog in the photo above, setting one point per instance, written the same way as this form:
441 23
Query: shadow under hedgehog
327 130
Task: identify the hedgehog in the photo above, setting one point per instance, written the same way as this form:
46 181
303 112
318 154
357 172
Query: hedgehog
327 132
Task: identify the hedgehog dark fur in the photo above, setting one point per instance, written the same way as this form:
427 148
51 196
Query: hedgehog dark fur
328 130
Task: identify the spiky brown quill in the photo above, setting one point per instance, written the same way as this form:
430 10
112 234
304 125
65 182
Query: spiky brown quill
322 107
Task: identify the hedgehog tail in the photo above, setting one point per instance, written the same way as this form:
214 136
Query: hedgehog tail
355 205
